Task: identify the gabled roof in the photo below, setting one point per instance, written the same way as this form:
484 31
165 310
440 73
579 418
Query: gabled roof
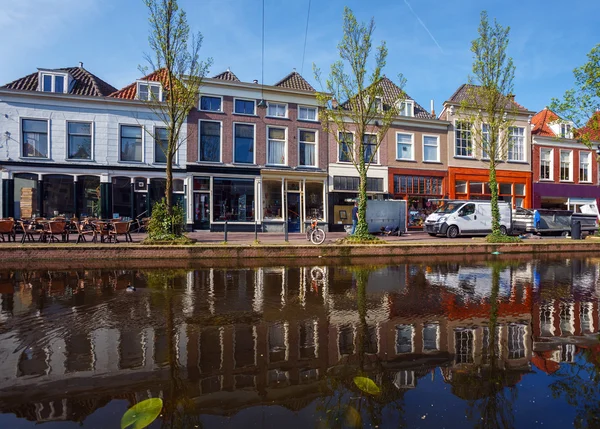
391 92
541 121
592 129
130 91
467 90
295 81
227 75
86 83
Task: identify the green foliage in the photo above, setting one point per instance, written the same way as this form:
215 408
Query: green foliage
142 414
501 238
360 239
580 103
367 385
350 102
165 226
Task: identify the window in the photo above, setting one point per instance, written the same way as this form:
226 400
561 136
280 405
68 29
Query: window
79 140
308 339
277 110
345 183
370 145
243 143
404 146
272 200
423 185
244 107
584 167
53 83
485 141
516 144
463 346
131 143
346 145
545 164
210 103
161 145
307 113
233 200
565 131
314 200
406 108
463 146
430 336
378 104
404 339
210 141
35 138
565 165
149 91
431 145
276 145
308 148
516 341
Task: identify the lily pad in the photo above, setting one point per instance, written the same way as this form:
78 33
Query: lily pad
367 385
142 414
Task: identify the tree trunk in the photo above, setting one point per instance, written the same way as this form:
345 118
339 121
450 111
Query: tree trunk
362 228
494 190
169 183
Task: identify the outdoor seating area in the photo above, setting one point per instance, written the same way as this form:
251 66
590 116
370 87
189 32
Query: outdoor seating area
63 230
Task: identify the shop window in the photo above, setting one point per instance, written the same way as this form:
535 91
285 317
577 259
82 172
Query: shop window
344 183
178 186
272 200
460 187
59 195
201 184
417 185
121 195
88 198
314 200
506 188
233 200
476 187
519 189
25 194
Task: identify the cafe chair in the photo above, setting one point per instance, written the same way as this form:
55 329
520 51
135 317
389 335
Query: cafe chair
31 230
120 228
56 229
82 230
7 228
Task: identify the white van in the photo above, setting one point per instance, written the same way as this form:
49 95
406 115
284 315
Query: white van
460 217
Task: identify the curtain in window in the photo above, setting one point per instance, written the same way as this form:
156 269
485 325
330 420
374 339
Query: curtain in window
276 153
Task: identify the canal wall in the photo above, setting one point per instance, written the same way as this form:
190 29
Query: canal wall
89 252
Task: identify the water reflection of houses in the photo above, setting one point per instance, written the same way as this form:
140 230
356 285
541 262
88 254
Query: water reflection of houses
262 336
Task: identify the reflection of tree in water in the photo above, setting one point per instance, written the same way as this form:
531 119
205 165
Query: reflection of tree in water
579 383
345 404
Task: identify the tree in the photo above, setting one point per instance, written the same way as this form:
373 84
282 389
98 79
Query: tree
175 60
581 103
488 109
365 110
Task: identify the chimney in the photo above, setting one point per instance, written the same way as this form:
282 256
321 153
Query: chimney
255 81
80 65
432 109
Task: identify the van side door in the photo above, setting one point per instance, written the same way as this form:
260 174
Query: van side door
466 219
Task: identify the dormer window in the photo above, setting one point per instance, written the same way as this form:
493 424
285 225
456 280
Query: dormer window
379 104
406 108
54 83
149 91
565 131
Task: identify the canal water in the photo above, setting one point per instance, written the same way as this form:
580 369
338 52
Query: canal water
446 344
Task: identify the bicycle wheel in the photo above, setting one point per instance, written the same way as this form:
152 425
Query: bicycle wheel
317 236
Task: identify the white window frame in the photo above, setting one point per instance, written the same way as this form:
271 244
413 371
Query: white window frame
21 119
121 125
244 99
211 96
565 130
285 145
339 146
570 179
66 84
406 108
285 107
308 107
412 143
412 338
316 144
220 141
175 160
511 146
149 84
470 130
437 137
377 161
589 166
379 104
233 143
551 166
92 127
484 135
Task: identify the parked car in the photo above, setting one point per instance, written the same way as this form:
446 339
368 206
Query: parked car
553 222
461 217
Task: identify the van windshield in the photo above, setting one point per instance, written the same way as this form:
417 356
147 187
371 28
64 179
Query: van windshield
448 208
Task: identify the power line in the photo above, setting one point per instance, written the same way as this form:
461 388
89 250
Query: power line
305 37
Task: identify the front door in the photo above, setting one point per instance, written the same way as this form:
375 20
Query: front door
201 210
293 211
141 205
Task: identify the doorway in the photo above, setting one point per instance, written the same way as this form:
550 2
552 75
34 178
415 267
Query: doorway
293 211
201 210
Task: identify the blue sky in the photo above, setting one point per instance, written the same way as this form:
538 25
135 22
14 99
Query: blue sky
428 40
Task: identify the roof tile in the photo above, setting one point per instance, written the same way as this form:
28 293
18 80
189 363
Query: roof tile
130 91
227 75
295 81
464 92
540 122
86 83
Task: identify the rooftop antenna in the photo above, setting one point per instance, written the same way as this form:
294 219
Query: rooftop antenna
262 103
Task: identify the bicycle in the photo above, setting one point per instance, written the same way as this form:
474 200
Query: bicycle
315 234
